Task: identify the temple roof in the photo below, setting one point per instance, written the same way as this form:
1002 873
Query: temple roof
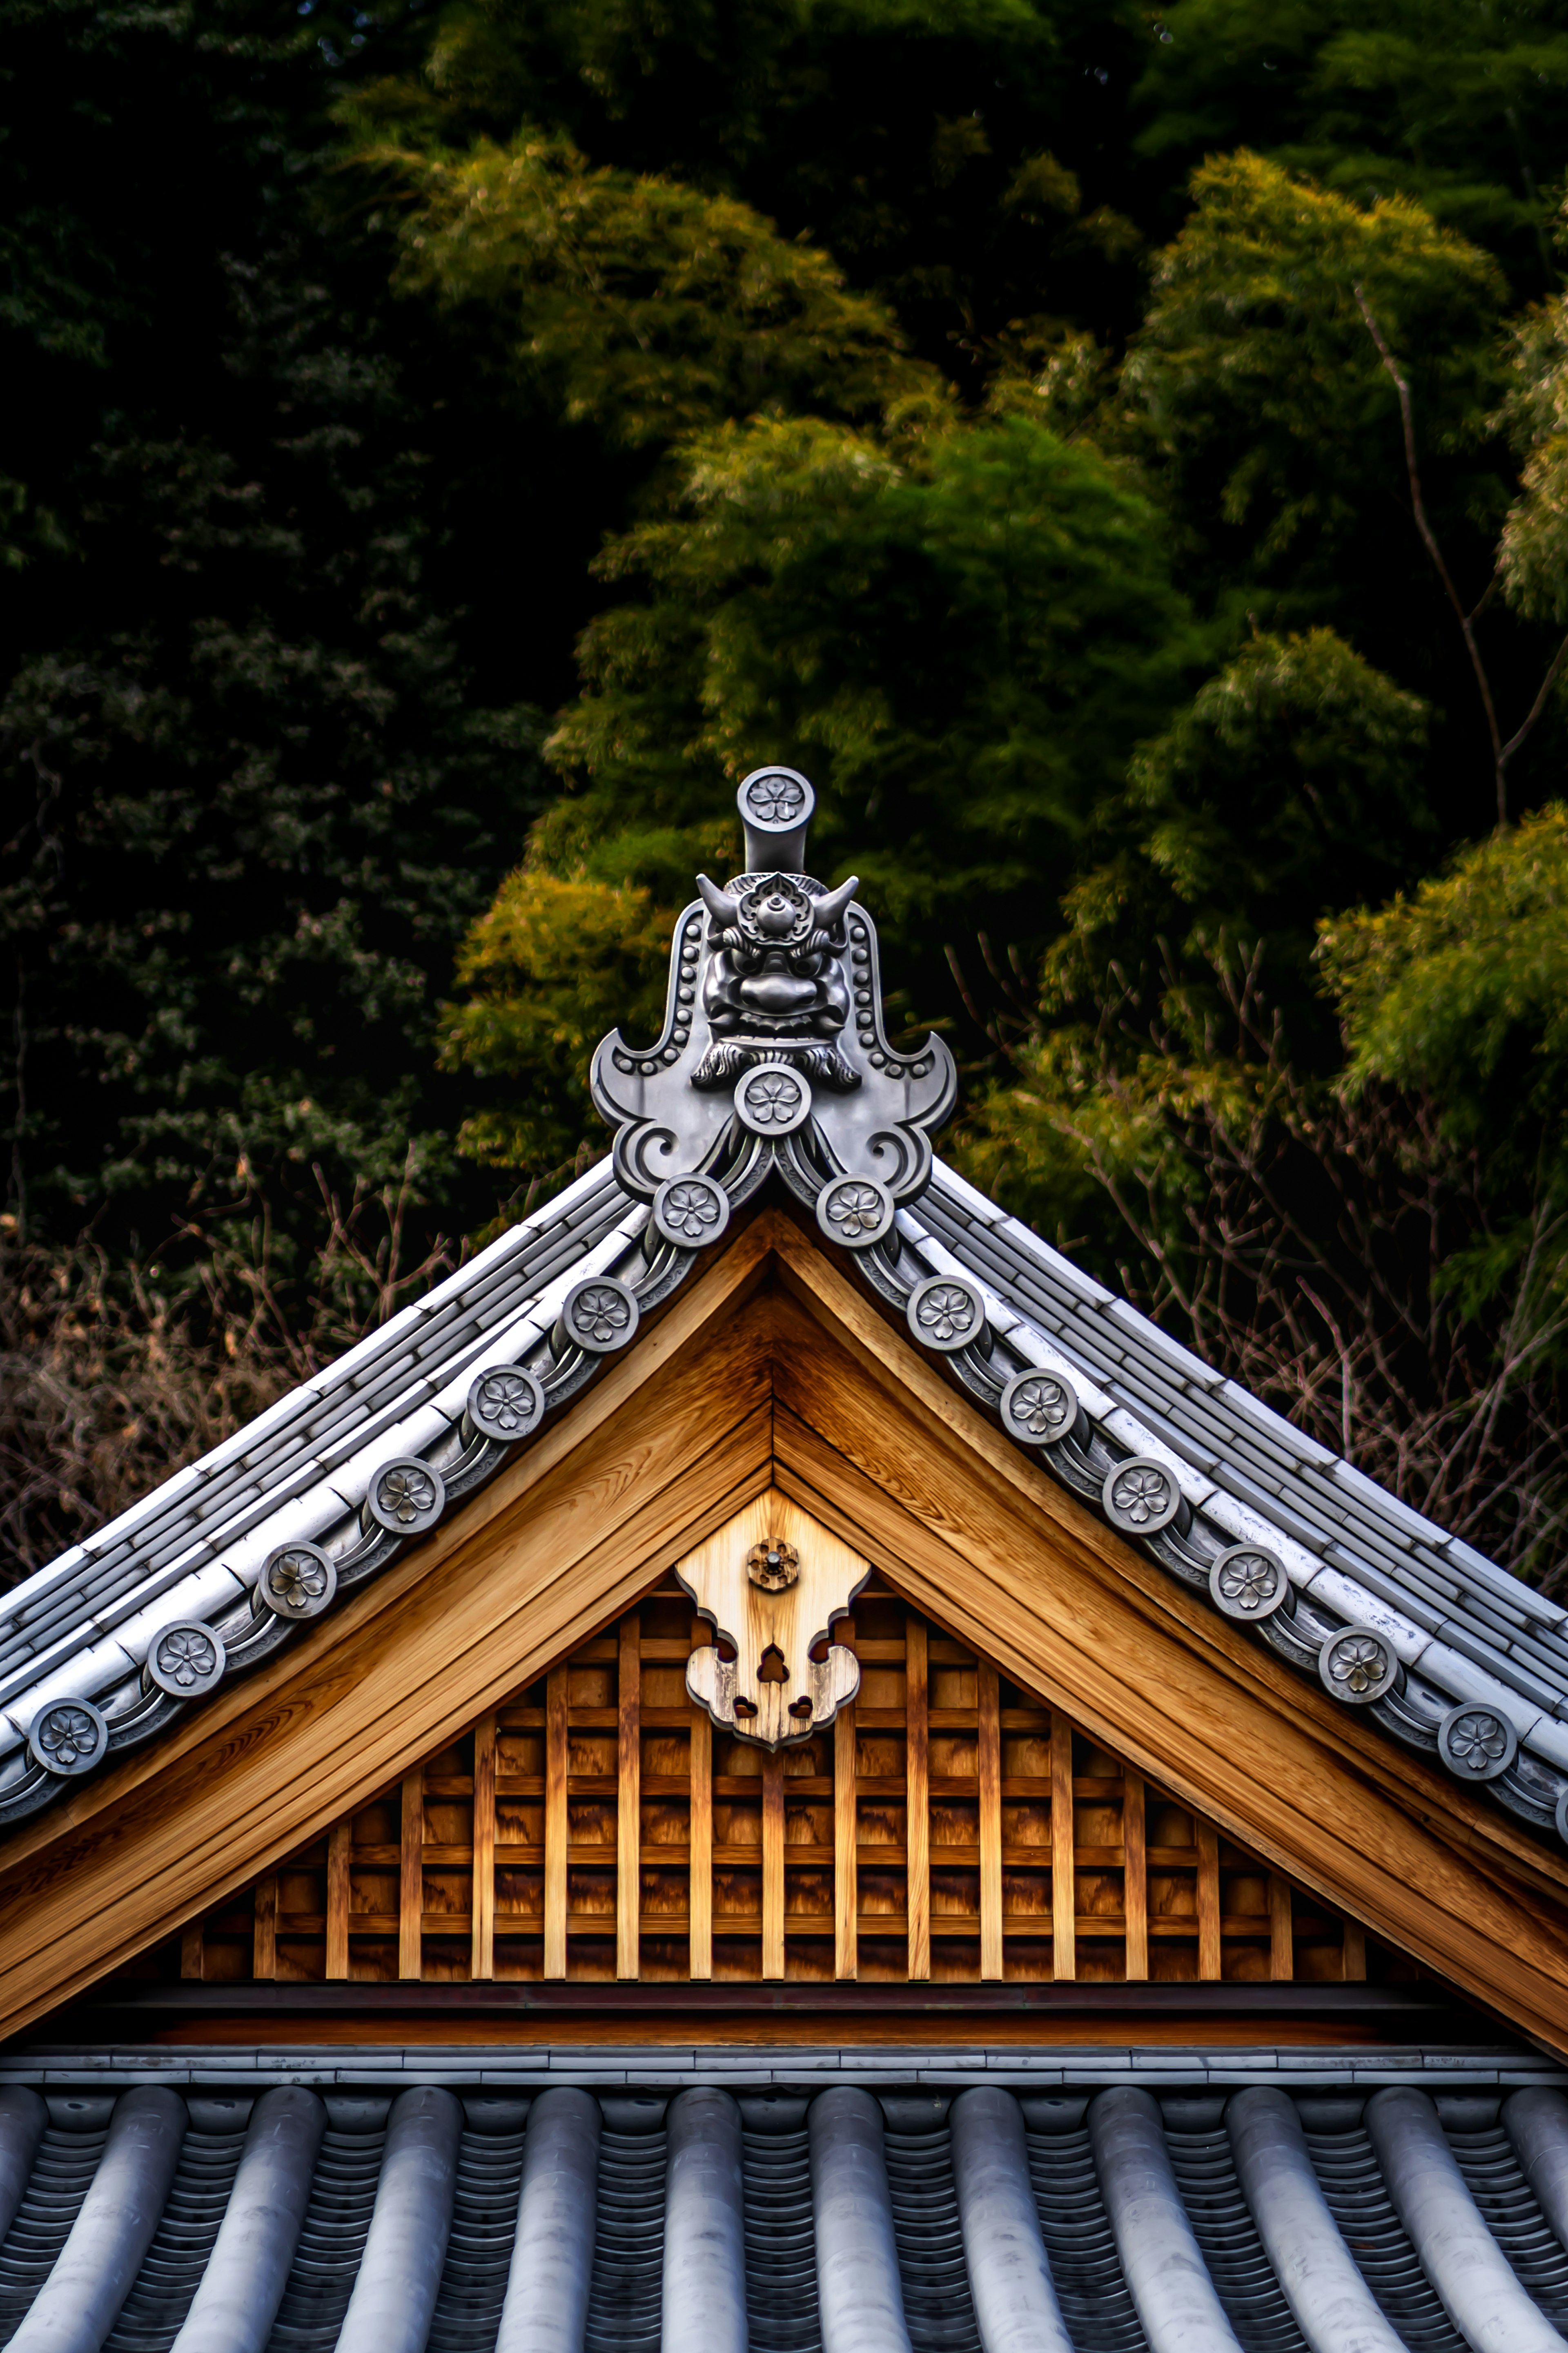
784 2218
223 1562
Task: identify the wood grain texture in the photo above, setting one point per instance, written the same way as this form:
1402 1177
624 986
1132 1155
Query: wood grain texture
629 1797
482 1900
339 1845
411 1876
845 1865
810 1386
1281 1929
264 1929
1354 1961
1064 1872
1135 1875
555 1820
192 1951
1209 1903
916 1795
773 1867
988 1773
701 1845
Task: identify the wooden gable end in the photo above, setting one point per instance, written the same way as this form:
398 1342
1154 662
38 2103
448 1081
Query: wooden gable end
946 1827
397 1777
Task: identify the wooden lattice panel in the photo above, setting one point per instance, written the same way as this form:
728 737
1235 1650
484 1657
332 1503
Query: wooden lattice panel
945 1826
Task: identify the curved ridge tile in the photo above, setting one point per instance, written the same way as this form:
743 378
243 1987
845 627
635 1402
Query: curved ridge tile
859 2288
1015 2305
405 2247
78 2303
704 2227
546 2306
1458 2253
1335 2309
1165 2271
242 2285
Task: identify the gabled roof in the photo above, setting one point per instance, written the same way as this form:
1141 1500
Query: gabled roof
218 1567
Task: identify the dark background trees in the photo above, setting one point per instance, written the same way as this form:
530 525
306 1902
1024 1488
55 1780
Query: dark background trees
448 444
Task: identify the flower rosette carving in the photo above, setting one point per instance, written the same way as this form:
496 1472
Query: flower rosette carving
1249 1583
1357 1665
505 1403
299 1581
599 1315
856 1211
946 1314
69 1736
186 1661
405 1497
690 1211
1040 1408
1475 1743
775 797
773 1101
1141 1497
773 1565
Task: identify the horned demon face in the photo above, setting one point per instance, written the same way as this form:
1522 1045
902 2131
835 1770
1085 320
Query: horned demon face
775 970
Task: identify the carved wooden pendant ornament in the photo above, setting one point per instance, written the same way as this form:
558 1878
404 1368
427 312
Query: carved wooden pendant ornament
771 1583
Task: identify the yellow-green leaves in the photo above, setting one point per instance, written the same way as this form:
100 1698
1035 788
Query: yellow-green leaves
644 307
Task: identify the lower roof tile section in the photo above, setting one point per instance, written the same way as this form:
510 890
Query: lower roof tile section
1076 2202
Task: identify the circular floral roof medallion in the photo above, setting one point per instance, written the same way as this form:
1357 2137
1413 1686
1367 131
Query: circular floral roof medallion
773 1101
1249 1582
1039 1408
298 1581
406 1496
1141 1496
690 1211
773 1565
946 1313
1477 1743
600 1315
186 1660
855 1211
505 1403
69 1736
1357 1665
776 800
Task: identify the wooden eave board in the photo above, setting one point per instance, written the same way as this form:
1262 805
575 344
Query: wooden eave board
774 1366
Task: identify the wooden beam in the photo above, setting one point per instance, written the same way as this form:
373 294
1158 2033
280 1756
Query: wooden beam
557 1748
1281 1930
988 1766
772 1866
264 1929
629 1796
192 1955
1354 1958
1135 1875
340 1839
482 1902
1208 1902
846 1834
699 1900
411 1876
917 1794
1064 1869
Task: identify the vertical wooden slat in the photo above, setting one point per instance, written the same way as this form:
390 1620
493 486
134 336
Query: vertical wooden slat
917 1794
1281 1930
1355 1962
264 1930
193 1953
628 1798
845 1831
1064 1874
482 1902
556 1818
1208 1902
699 1901
411 1876
1135 1875
338 1843
989 1767
772 1866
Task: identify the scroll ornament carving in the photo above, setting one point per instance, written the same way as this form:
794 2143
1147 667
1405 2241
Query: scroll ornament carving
771 1583
773 1051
